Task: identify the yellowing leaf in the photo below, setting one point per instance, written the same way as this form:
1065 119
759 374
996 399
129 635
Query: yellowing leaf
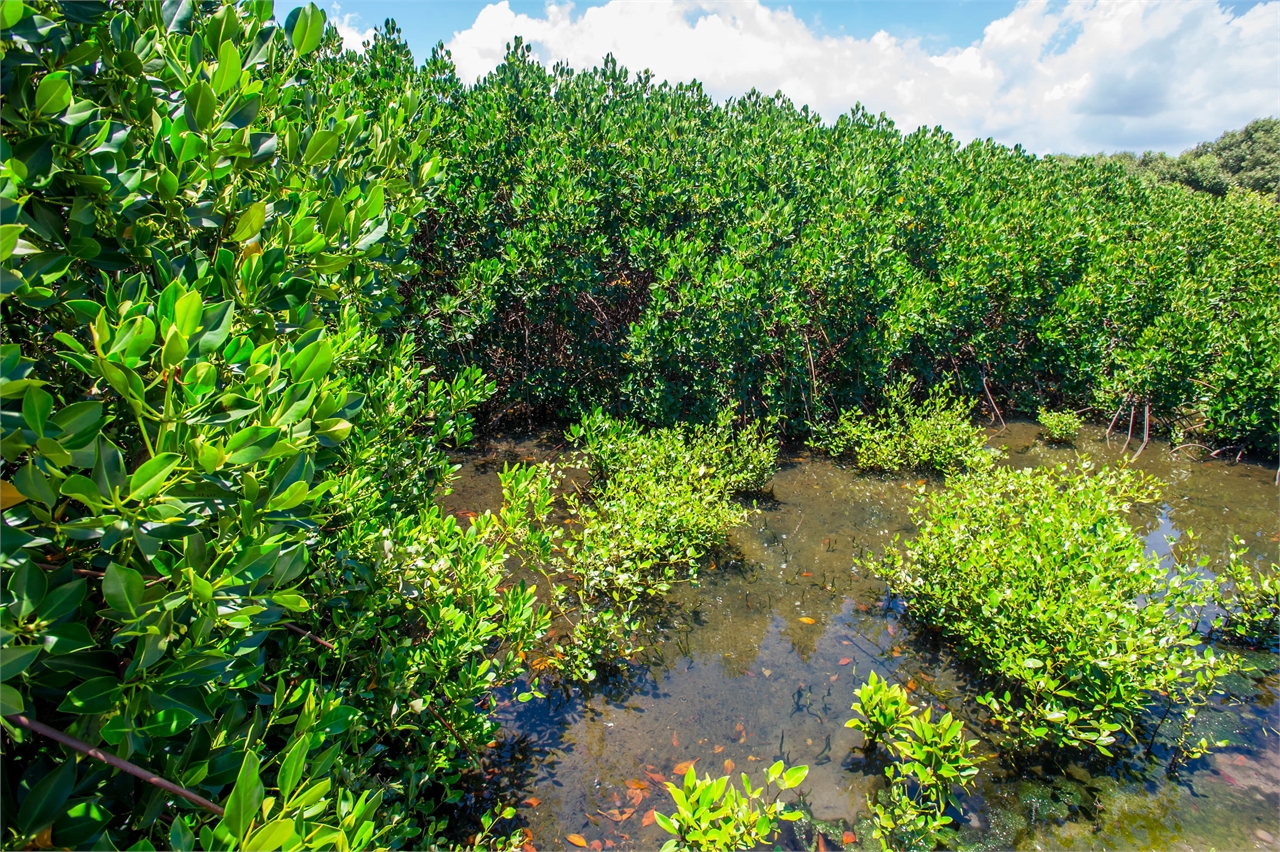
576 840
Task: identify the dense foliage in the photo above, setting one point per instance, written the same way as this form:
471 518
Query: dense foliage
606 239
205 214
716 815
1041 583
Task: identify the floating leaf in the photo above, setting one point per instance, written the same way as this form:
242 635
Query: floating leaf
576 839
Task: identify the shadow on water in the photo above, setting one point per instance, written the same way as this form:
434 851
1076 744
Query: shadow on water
757 662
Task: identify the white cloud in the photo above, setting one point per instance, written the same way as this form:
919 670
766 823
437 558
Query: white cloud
353 38
1080 76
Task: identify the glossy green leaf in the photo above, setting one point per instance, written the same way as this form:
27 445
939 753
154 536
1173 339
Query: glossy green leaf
152 475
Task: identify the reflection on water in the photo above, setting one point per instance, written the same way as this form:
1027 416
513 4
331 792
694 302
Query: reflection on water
758 662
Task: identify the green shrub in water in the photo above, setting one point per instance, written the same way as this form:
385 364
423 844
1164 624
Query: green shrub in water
883 707
1059 427
659 501
902 434
932 759
1249 597
1042 584
715 815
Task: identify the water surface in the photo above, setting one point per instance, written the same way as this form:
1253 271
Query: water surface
758 660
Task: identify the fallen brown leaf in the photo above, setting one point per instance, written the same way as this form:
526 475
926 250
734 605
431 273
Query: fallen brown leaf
844 661
849 837
637 784
675 740
577 840
597 846
806 574
532 802
648 818
718 749
618 815
804 619
728 766
682 768
656 777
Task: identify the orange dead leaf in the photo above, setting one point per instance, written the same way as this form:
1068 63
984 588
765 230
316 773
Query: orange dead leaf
675 740
728 766
738 728
635 797
718 749
577 840
657 777
833 678
844 661
682 768
804 619
597 846
648 818
911 686
849 837
893 630
637 784
752 757
528 847
822 843
618 815
532 802
806 574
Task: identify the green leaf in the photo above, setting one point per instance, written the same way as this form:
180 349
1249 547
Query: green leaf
14 659
305 28
36 406
291 497
79 824
245 799
794 777
181 838
313 362
322 146
273 836
227 74
33 485
10 701
250 223
188 312
44 803
54 93
292 602
28 586
175 349
122 587
9 240
251 443
291 767
151 475
177 15
61 599
201 105
97 695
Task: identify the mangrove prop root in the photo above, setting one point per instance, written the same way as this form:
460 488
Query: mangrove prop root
994 407
1146 430
1133 410
111 760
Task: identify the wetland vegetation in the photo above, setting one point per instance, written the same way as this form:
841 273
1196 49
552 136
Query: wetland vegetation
276 576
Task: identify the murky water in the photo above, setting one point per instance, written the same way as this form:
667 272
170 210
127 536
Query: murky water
758 662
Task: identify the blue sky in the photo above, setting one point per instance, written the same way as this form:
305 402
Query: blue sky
1070 76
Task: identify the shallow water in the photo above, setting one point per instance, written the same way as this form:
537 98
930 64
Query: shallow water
758 662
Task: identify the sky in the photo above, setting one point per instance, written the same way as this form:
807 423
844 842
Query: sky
1057 76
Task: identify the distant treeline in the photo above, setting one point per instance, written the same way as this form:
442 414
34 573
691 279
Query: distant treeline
1248 158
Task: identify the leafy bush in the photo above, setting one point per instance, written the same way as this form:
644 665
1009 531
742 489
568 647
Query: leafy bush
935 434
204 215
1040 581
715 815
1249 597
1060 427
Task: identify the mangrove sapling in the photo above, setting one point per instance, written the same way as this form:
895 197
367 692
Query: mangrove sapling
715 815
1059 427
1041 583
883 708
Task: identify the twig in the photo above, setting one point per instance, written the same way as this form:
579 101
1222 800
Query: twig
1117 417
111 760
309 635
1184 446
